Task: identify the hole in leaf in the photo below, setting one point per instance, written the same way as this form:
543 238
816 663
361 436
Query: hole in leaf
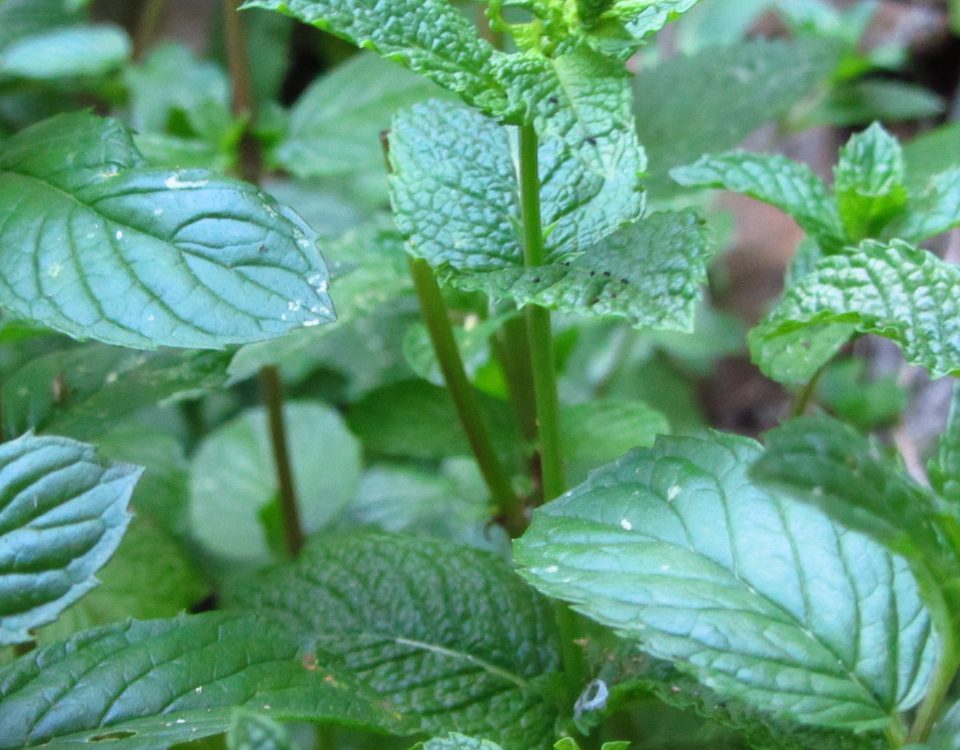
121 734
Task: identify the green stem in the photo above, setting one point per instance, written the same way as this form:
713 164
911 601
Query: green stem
514 353
543 363
147 27
542 358
437 319
289 507
805 396
244 103
929 711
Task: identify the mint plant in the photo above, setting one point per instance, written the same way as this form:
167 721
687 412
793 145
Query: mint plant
448 518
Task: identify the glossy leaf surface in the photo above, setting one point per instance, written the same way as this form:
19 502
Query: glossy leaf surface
894 290
447 636
63 511
98 245
675 547
191 673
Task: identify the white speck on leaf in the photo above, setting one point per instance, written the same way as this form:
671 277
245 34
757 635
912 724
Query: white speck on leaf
173 182
119 235
112 377
626 525
311 323
54 269
673 492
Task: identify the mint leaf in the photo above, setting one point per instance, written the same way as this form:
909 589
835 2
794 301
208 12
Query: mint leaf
927 154
625 24
674 546
457 198
81 392
446 636
825 462
869 182
773 179
596 432
430 37
69 52
742 87
651 273
24 18
582 100
370 274
449 503
945 469
253 731
946 733
414 419
233 479
454 741
335 125
101 246
149 685
172 84
895 290
63 512
148 576
933 211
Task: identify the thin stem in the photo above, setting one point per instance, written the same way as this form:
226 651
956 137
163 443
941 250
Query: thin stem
147 27
289 508
250 167
542 357
805 396
244 102
437 319
932 705
514 354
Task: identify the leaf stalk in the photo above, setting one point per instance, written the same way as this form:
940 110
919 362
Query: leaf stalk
542 356
437 319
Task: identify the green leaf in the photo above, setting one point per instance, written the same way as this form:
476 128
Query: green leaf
873 99
742 87
81 392
174 86
67 52
623 26
414 419
253 731
928 154
454 741
104 247
430 37
821 461
869 182
456 194
933 211
149 576
773 179
335 126
473 341
149 685
895 290
597 432
233 479
449 503
846 389
651 273
24 18
63 512
946 734
945 469
370 274
582 100
674 546
447 636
